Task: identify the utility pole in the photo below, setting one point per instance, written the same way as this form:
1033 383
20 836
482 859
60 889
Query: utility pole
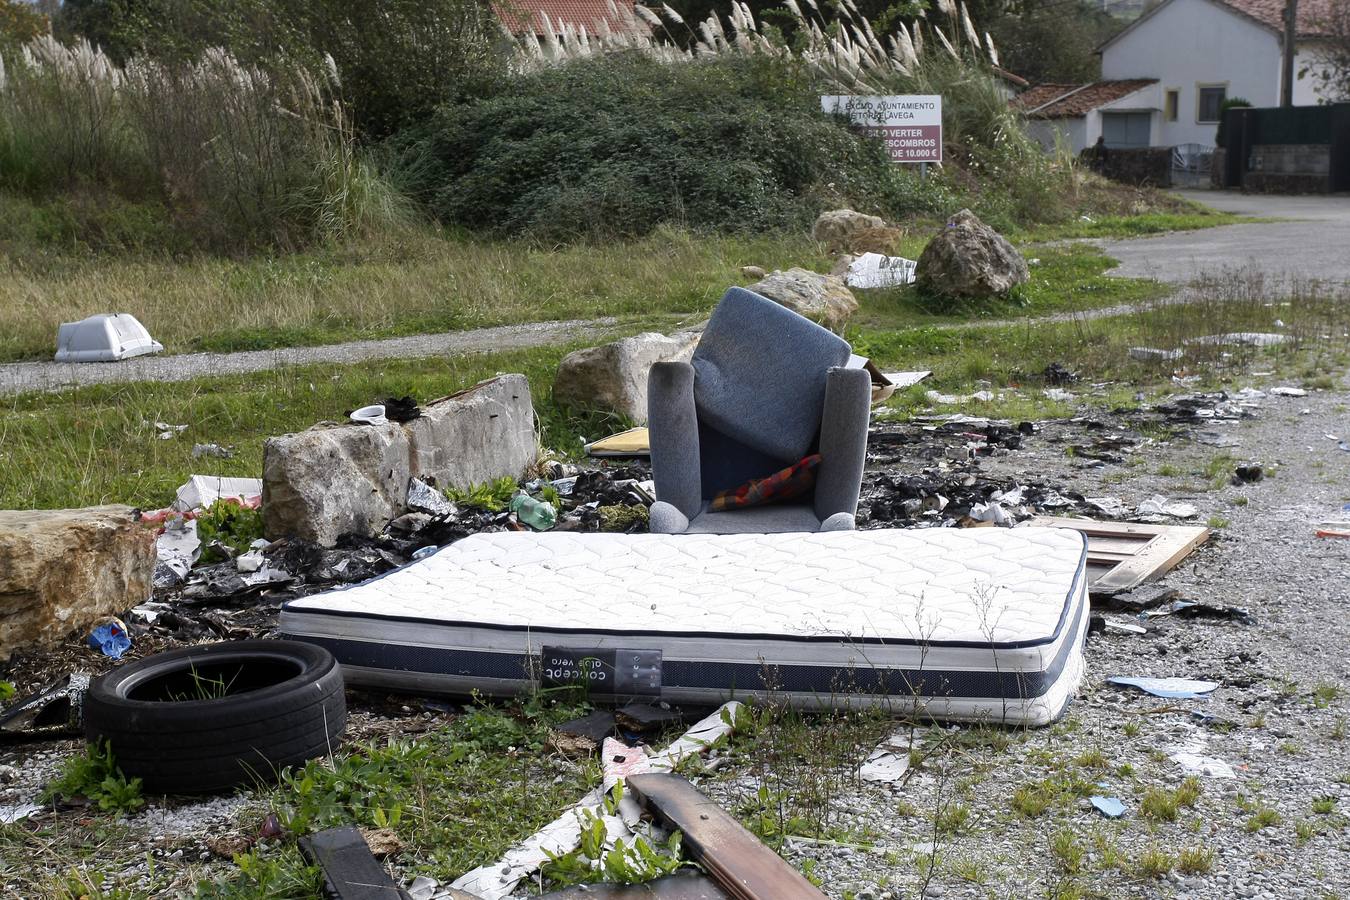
1290 47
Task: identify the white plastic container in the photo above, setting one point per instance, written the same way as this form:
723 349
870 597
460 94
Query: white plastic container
104 338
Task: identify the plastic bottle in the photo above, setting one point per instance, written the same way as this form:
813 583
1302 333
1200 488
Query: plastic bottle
537 514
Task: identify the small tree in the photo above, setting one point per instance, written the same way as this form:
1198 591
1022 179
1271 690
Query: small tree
1220 135
20 23
1329 60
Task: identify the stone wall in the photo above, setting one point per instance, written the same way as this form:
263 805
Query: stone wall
1290 159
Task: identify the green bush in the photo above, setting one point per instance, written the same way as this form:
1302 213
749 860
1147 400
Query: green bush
1220 133
620 144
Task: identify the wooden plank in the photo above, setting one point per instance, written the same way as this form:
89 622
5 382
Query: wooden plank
350 872
1158 549
672 887
737 860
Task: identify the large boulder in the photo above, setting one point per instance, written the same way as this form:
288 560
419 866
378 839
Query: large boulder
613 377
823 299
477 435
63 569
969 260
837 228
333 479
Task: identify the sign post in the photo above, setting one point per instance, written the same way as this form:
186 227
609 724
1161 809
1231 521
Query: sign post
909 125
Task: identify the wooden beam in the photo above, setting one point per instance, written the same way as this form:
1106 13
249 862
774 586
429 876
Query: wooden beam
737 860
350 871
1157 549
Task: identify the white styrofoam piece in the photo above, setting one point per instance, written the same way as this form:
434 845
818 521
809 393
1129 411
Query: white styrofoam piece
106 337
201 491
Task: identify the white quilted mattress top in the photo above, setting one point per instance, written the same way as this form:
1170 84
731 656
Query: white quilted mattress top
979 584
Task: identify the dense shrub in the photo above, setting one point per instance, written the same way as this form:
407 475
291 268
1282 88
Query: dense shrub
617 145
238 157
395 60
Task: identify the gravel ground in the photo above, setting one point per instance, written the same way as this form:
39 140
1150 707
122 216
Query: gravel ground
17 378
1284 741
1278 717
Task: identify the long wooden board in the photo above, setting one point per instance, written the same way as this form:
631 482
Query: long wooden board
1123 555
736 859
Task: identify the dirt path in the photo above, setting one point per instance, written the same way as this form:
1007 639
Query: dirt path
17 378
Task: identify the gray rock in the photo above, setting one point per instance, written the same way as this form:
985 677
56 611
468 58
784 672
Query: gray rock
970 260
823 299
478 435
63 569
331 480
613 377
838 227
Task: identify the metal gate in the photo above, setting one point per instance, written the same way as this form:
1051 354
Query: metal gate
1190 165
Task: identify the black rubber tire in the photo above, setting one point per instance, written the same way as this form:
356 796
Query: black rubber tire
185 746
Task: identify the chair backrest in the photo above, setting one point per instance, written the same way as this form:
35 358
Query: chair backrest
760 373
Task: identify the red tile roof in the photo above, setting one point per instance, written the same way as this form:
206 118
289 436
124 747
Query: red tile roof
520 16
1065 101
1312 14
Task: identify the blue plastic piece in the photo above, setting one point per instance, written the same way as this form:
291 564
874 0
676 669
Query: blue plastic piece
1111 807
110 639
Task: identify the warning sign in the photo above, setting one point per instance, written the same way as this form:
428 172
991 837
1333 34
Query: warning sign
910 126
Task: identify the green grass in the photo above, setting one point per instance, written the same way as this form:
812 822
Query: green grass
1140 225
99 445
422 282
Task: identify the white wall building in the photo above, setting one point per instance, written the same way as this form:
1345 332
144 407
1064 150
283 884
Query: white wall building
1205 51
1167 74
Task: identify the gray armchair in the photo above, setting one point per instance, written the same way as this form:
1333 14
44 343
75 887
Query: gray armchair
765 387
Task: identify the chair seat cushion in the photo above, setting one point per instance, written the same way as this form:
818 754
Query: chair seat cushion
772 519
760 374
791 483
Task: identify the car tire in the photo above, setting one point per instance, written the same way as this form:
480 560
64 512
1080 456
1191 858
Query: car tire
217 716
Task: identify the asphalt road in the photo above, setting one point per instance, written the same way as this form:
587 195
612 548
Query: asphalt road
1312 241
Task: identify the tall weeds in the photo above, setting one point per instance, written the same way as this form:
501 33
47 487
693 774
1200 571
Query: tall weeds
239 156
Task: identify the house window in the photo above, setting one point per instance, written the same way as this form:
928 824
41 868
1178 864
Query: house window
1211 98
1124 130
1172 105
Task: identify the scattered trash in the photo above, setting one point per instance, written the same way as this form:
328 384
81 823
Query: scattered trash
369 415
630 443
1058 394
538 514
214 450
1190 759
17 813
55 710
1109 506
424 552
889 762
1170 688
1125 627
104 338
1191 609
110 637
1056 374
1241 338
1205 407
1288 392
875 270
422 497
1215 439
1143 597
401 409
1150 354
201 491
350 870
1158 505
1248 474
1111 807
176 548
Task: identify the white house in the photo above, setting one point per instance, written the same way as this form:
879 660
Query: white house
1166 75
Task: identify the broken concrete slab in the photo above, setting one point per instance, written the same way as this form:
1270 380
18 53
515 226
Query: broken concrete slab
331 480
63 569
823 299
476 436
613 377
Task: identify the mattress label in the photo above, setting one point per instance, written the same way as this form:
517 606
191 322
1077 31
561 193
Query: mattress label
620 673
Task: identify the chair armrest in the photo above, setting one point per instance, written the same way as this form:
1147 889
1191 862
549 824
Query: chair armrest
843 441
672 423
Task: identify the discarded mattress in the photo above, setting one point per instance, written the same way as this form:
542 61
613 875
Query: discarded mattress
974 624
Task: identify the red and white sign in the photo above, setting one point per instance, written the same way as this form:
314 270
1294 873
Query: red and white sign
911 126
